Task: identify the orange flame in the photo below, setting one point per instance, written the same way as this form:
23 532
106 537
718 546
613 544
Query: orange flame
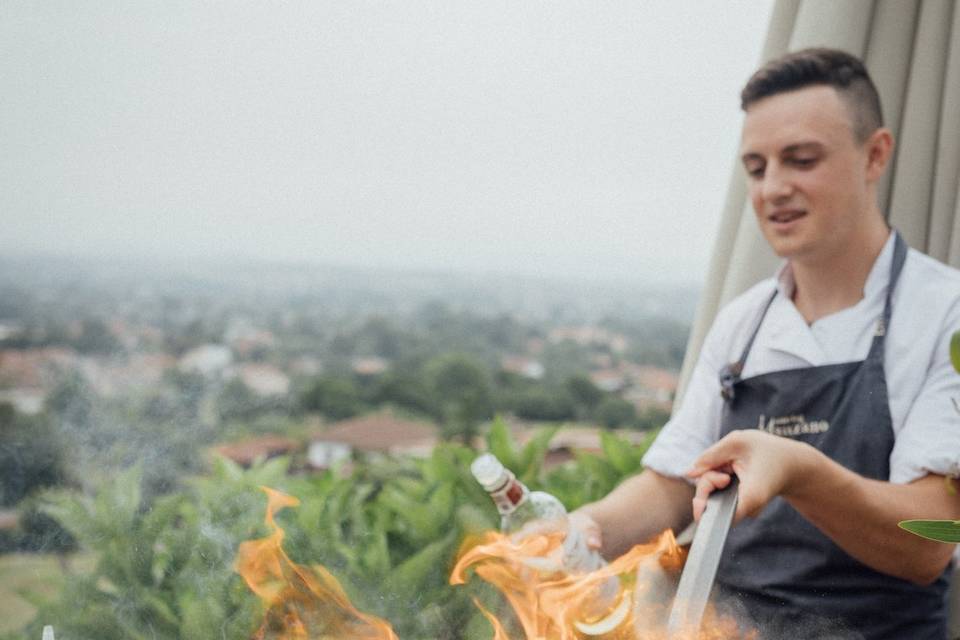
302 601
305 602
549 604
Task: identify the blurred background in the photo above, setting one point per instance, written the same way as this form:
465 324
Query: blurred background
358 236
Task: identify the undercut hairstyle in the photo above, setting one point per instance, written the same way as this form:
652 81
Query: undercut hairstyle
825 67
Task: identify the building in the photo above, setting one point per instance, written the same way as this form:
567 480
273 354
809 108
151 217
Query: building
247 452
265 380
378 433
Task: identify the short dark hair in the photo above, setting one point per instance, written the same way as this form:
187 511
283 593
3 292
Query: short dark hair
831 67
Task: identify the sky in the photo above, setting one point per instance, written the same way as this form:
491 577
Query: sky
572 139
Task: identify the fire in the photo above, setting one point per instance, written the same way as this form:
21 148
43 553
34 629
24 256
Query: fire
553 605
302 601
305 602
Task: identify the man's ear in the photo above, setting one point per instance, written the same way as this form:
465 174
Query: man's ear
879 148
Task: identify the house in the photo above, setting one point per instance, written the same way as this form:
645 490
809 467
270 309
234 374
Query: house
9 520
379 433
590 336
26 400
264 379
523 366
572 438
609 380
246 452
371 366
651 387
209 360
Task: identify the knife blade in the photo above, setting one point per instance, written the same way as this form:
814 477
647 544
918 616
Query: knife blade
696 581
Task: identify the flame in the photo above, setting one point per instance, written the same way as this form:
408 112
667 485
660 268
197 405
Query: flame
302 601
305 602
549 604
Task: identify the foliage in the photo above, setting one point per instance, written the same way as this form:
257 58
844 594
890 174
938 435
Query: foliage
31 455
543 403
388 531
615 412
336 397
163 570
584 393
940 530
462 393
37 532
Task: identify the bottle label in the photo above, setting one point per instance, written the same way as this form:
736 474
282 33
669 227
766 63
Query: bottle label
510 496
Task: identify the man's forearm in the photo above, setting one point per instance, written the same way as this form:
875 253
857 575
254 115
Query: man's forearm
861 516
639 508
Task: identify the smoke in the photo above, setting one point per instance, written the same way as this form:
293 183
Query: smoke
785 624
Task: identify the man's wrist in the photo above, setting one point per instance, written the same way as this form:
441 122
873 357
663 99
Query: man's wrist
806 469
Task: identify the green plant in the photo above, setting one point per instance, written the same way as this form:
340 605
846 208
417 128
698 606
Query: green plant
941 530
389 531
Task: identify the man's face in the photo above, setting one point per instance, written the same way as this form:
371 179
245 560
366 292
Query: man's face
806 173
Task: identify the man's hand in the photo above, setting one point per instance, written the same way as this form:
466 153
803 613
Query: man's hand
766 465
857 513
588 527
636 511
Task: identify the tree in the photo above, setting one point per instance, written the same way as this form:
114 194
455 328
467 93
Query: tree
651 418
336 397
584 394
404 389
461 393
31 455
551 404
615 412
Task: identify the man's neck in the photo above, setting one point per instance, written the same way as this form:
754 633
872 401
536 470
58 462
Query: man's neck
829 284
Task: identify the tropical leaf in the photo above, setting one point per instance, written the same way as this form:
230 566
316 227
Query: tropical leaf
955 351
500 443
939 530
531 457
430 562
621 454
473 520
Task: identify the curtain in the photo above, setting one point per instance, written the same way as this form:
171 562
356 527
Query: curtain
912 50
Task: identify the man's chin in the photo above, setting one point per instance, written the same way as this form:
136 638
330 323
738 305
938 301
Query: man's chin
785 247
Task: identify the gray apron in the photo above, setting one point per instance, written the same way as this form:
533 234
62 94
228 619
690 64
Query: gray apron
791 578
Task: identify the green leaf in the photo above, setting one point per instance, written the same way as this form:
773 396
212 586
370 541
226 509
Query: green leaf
418 516
474 520
620 453
939 530
531 458
501 444
411 575
955 351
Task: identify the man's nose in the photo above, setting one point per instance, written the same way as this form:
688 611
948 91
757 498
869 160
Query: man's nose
776 186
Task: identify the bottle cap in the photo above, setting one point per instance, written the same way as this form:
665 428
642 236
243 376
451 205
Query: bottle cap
488 471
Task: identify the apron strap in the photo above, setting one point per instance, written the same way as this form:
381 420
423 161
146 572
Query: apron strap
896 266
730 373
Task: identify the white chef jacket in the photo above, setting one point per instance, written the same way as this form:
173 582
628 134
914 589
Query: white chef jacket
921 381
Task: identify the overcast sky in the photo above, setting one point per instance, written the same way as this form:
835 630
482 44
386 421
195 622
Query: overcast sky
553 138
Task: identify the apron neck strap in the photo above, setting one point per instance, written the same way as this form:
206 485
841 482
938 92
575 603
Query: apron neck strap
896 266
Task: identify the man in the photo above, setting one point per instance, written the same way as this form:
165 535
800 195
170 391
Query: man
827 389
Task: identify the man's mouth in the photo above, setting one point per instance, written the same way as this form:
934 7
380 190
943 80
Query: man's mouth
786 215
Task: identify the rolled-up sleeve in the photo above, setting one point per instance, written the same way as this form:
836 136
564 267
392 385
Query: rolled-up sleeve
929 441
696 424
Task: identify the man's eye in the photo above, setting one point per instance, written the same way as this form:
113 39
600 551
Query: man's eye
755 172
804 162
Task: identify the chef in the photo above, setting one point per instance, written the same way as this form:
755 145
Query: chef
827 389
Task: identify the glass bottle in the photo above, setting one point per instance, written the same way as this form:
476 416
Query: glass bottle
519 507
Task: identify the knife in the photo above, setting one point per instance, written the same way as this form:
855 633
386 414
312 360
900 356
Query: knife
696 581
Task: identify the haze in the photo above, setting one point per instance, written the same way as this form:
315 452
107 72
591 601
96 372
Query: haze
562 139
